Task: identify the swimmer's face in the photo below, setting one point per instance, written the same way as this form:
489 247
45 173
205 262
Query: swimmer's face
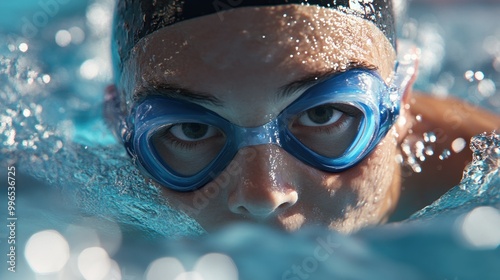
242 58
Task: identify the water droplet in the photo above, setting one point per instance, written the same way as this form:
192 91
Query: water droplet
479 75
429 151
469 75
46 78
430 137
399 159
445 154
458 145
26 113
23 47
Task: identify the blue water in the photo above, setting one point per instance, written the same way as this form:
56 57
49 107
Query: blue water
73 177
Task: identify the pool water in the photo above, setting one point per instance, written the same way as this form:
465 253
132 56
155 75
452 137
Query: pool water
84 212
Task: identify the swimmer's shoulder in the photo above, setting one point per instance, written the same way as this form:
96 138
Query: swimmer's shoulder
455 117
450 120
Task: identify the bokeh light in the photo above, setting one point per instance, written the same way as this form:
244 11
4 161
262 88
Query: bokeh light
192 275
458 145
94 263
213 266
89 69
47 252
63 38
164 269
480 228
23 47
216 266
77 35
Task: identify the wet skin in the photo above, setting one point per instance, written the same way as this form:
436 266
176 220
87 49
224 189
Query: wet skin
243 61
236 67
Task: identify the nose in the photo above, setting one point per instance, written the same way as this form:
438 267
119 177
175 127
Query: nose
265 186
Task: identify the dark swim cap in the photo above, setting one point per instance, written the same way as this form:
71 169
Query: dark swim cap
135 19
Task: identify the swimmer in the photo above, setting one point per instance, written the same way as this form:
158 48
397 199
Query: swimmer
286 113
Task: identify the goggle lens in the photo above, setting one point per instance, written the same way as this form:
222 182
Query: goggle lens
187 148
328 129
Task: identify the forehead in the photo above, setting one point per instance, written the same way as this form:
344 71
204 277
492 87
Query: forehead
254 48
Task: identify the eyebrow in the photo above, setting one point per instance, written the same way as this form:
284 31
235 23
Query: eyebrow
317 77
285 91
177 92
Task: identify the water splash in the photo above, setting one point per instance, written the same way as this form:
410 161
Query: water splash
96 178
485 165
480 184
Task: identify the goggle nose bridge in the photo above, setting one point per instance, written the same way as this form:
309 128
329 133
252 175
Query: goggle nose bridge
268 133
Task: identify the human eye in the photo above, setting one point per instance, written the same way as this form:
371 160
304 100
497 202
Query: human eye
326 116
187 148
328 129
192 132
319 116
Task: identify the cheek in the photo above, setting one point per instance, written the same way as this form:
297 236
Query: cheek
377 185
357 197
198 203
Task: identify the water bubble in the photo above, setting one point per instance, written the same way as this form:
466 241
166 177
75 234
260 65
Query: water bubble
445 154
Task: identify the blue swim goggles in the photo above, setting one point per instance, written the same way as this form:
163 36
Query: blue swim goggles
332 126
